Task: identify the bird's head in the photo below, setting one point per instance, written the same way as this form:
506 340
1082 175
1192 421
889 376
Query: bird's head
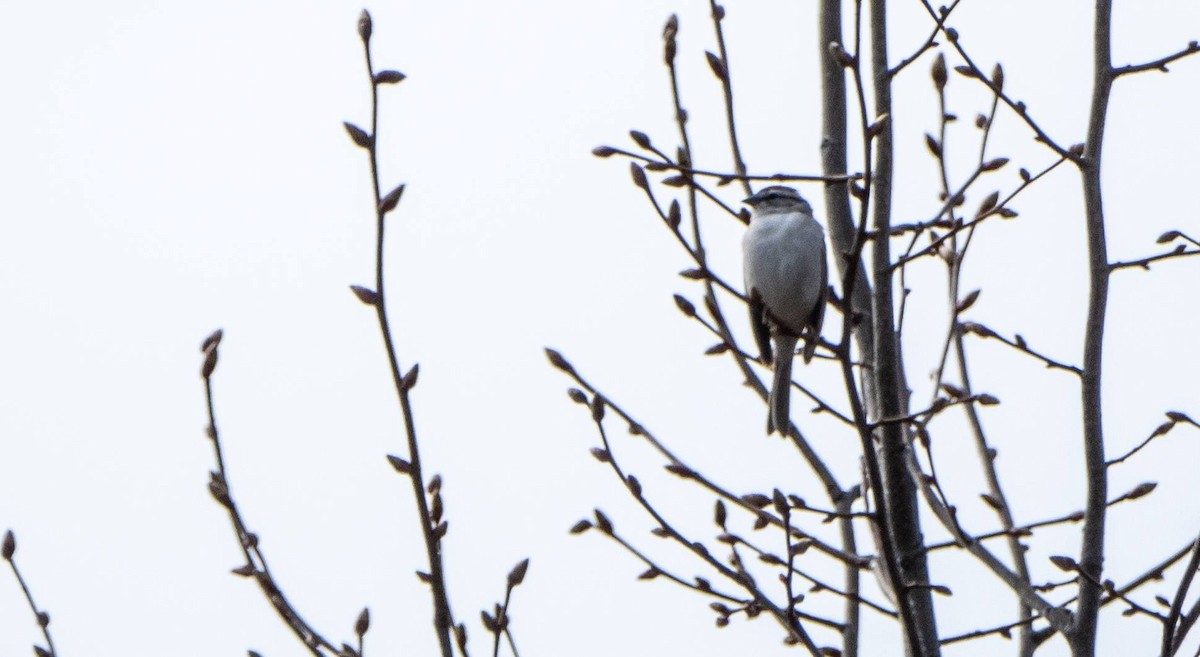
776 199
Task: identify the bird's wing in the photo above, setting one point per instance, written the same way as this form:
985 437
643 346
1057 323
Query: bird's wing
817 318
758 323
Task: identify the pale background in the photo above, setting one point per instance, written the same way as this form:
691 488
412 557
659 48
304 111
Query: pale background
168 168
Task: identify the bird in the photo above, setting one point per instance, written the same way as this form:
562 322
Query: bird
786 277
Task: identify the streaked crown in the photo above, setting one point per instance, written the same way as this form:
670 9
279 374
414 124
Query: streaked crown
778 198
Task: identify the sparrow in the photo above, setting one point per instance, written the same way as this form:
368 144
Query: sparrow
786 276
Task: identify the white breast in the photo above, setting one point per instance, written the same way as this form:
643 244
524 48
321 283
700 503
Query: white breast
783 255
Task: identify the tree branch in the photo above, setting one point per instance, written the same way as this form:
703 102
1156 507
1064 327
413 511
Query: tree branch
1159 64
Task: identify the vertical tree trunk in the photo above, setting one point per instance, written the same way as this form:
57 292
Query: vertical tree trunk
891 389
1091 559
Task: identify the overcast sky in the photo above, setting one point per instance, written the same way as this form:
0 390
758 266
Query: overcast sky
170 168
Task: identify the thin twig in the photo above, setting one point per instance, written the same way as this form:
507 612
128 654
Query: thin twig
256 562
663 164
1144 263
795 629
1171 642
1159 64
40 615
1020 345
443 618
930 41
1018 107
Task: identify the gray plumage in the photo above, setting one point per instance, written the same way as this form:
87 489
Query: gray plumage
786 276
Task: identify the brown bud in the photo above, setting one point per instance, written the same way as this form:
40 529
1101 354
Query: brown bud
517 574
363 623
220 493
954 391
1064 563
840 55
581 526
597 408
994 164
1141 490
364 26
210 362
212 341
670 30
436 509
9 547
400 465
988 204
365 295
686 307
635 486
674 215
639 176
967 301
557 360
409 380
717 66
780 502
603 523
389 202
877 126
932 144
357 135
966 71
938 72
389 77
1177 416
756 500
680 470
998 77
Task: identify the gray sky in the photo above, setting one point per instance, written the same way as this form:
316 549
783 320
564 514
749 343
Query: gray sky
170 168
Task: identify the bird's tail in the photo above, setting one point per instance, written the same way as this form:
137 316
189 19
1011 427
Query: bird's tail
781 389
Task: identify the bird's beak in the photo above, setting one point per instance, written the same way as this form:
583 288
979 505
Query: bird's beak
752 199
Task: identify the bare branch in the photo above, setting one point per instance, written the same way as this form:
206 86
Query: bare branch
1020 345
1179 251
1159 64
431 531
40 615
930 42
666 164
256 562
